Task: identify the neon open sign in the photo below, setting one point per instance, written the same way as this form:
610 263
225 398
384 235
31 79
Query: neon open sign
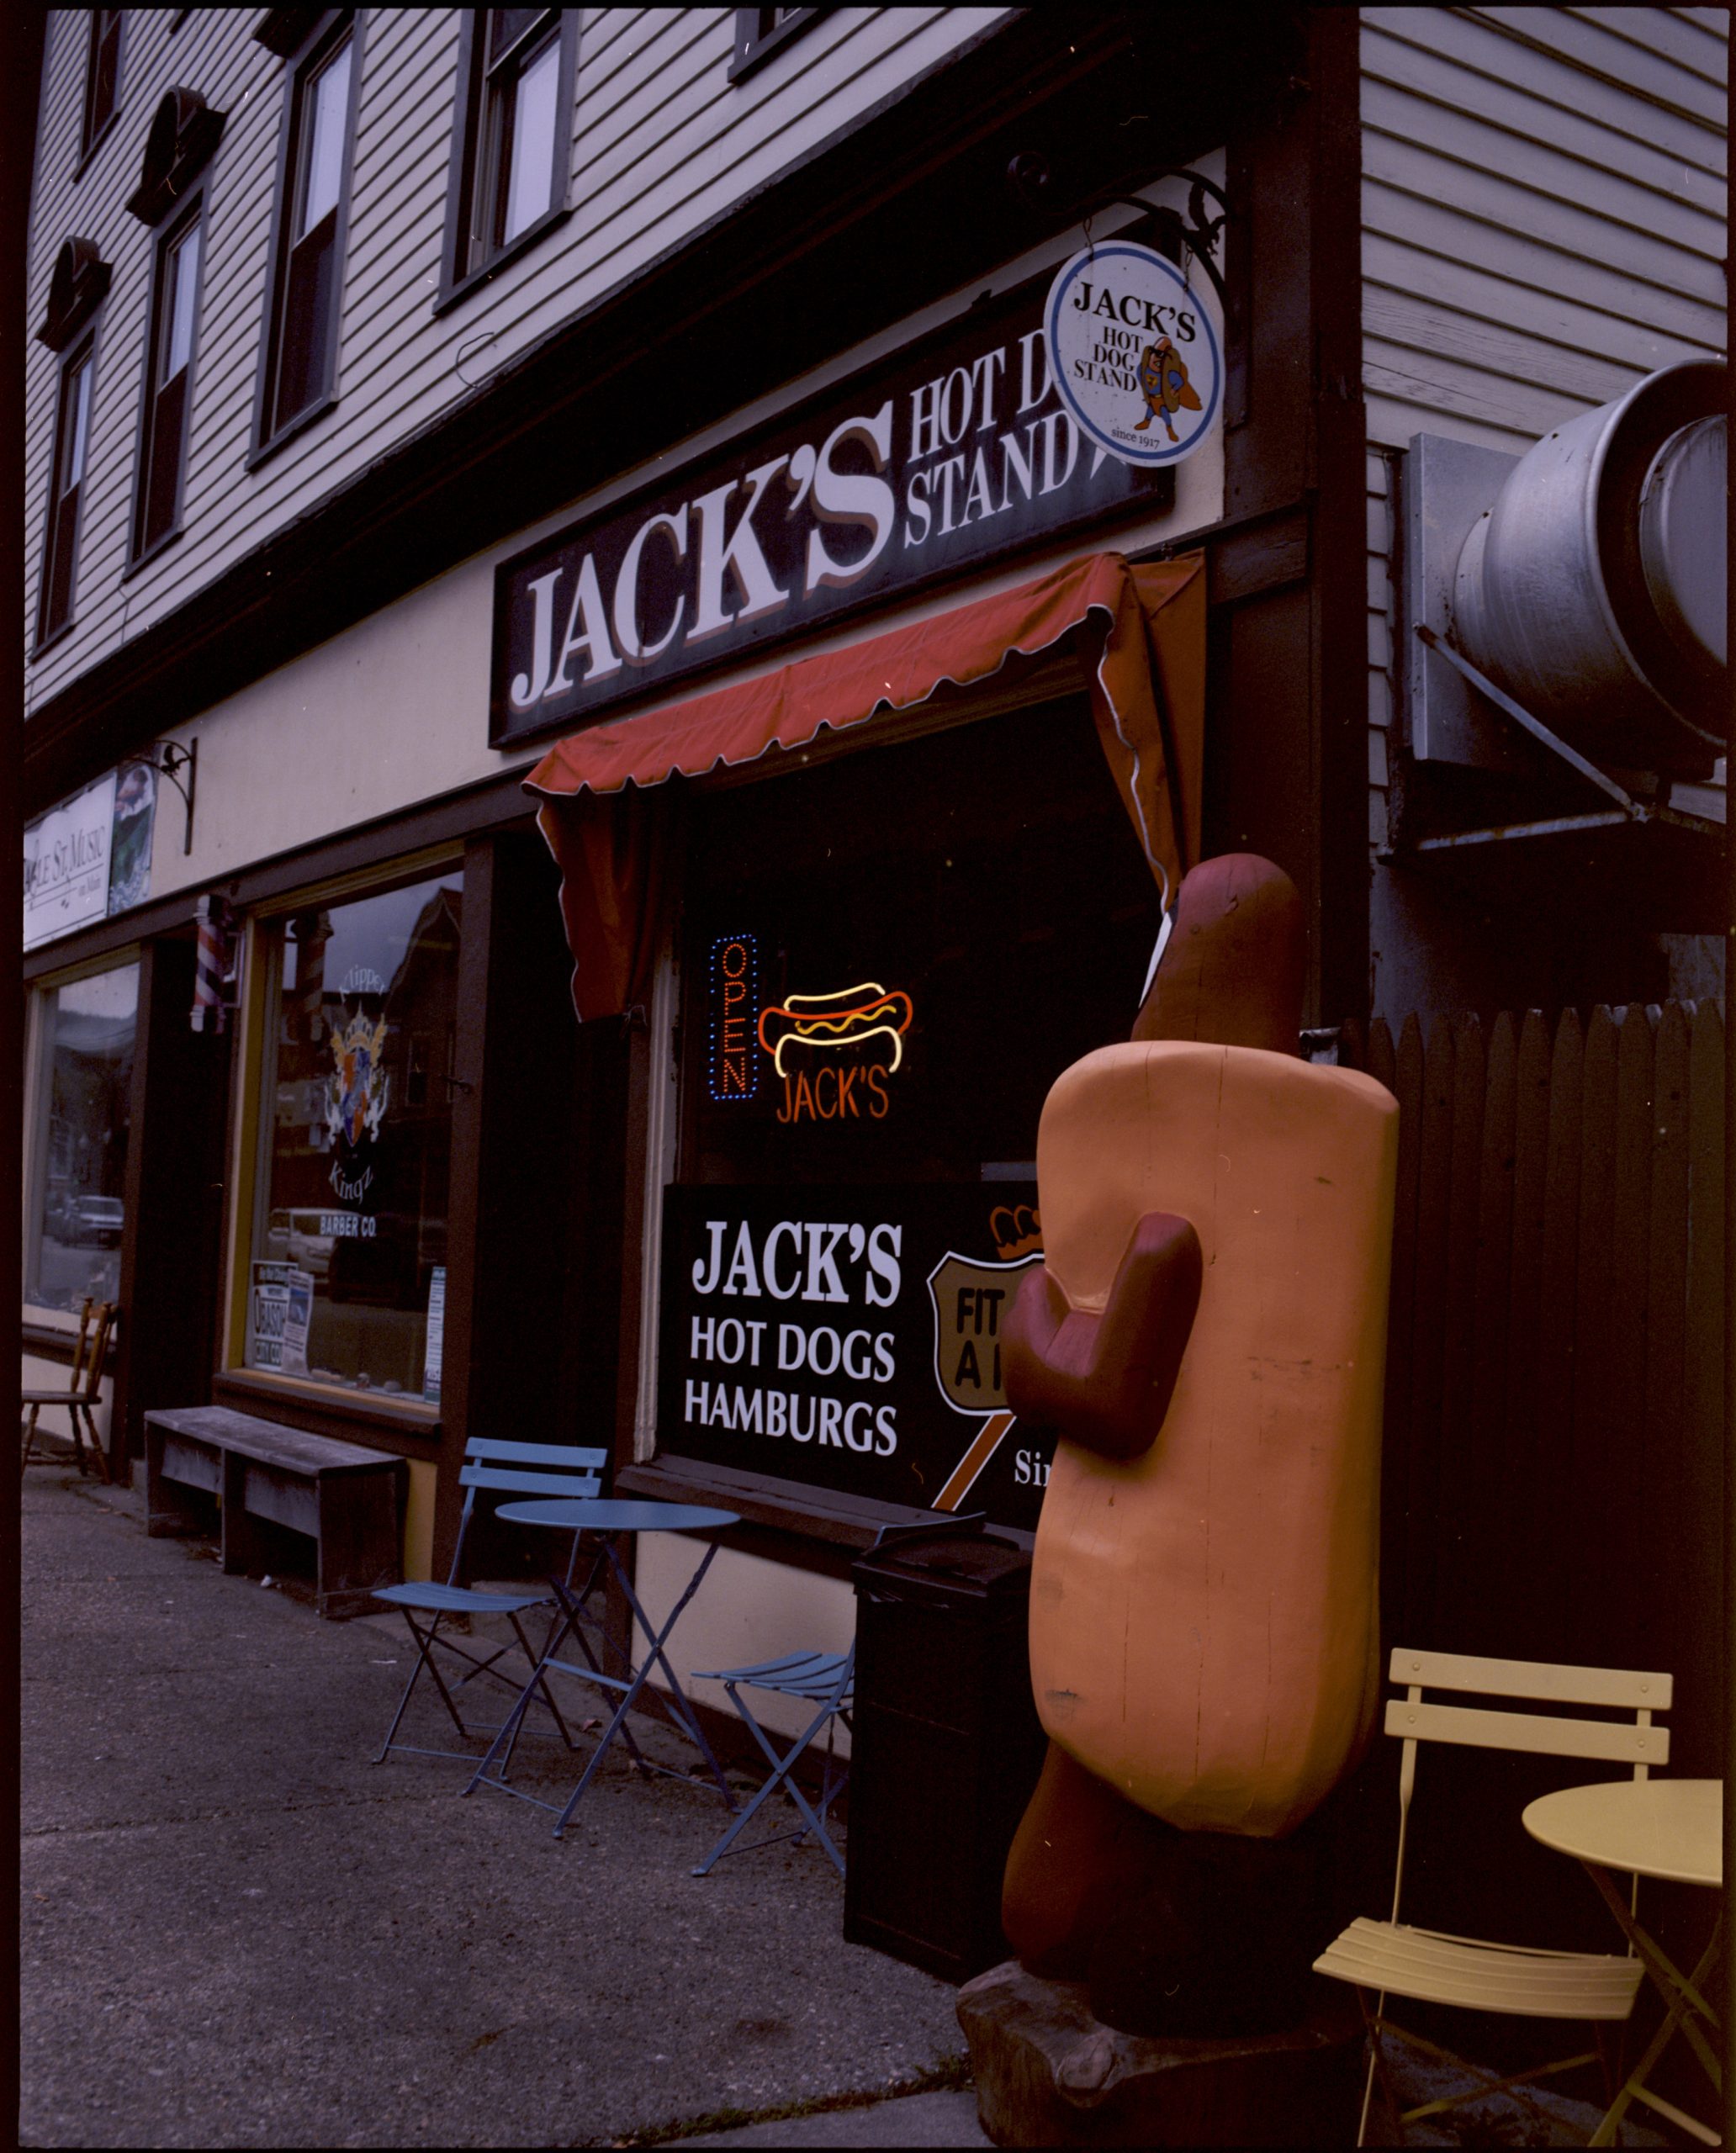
732 1066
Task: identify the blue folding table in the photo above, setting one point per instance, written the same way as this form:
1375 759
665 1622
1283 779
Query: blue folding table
610 1518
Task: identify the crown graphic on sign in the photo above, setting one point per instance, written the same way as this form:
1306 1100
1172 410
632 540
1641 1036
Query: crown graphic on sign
1017 1229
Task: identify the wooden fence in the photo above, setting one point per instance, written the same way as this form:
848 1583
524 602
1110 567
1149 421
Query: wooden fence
1554 1480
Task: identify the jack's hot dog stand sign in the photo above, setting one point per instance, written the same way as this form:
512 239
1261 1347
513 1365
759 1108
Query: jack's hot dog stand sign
961 449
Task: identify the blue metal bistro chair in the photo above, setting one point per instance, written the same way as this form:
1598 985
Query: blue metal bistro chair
824 1679
499 1468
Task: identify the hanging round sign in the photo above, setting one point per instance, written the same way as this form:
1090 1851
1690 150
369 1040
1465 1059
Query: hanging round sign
1134 353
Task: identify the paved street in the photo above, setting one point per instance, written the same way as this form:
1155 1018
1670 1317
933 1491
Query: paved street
238 1931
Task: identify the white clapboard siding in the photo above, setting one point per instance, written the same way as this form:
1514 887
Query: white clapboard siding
1542 211
1629 47
663 145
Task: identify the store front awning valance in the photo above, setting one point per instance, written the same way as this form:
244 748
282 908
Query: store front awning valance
1147 686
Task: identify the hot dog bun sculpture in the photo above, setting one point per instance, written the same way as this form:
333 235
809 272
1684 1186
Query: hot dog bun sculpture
1207 1332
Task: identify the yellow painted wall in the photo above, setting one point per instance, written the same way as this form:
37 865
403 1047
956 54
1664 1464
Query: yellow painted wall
419 1521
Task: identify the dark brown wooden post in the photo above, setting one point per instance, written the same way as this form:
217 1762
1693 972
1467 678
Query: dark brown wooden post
540 1167
171 1249
470 1076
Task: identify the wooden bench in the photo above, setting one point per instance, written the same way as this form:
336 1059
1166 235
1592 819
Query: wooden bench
346 1500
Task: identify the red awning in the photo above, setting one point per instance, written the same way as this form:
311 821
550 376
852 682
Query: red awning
1147 693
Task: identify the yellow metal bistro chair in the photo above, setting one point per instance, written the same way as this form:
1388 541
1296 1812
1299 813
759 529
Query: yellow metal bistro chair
1393 1959
82 1393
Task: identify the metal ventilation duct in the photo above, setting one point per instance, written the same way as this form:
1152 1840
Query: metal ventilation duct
1592 586
1587 579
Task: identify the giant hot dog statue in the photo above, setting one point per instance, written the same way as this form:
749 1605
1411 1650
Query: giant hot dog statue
1208 1334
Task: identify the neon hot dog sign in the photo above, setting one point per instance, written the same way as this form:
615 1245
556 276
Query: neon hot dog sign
831 1054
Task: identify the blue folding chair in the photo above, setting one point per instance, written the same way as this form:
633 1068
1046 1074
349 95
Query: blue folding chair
821 1679
825 1680
499 1468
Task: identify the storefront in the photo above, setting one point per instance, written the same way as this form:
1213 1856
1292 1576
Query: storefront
908 693
860 899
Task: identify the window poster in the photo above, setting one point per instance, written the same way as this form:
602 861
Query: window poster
851 1338
298 1313
268 1305
278 1312
436 1349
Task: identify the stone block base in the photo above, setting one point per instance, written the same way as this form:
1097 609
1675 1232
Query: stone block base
1049 2073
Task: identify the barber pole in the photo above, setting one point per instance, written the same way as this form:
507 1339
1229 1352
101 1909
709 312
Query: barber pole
211 1010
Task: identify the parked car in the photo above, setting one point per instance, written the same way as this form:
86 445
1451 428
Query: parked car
294 1236
95 1221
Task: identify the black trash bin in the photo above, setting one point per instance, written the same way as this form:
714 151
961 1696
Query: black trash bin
945 1748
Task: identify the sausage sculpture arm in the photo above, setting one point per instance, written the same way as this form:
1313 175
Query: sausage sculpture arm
1105 1381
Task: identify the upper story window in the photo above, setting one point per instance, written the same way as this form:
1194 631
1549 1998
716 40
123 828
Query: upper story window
760 32
513 146
301 360
60 543
183 135
101 78
168 383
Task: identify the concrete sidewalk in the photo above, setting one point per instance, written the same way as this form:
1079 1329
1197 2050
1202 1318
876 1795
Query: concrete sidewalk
238 1931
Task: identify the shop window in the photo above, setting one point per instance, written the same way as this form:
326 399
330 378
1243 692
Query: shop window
168 383
101 78
974 910
886 963
300 356
349 1248
760 32
76 1175
60 543
514 141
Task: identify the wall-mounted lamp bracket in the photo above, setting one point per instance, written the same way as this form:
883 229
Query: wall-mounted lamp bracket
168 759
1030 180
1696 808
1534 725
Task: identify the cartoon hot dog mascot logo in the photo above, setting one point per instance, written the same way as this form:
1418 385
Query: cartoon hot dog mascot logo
834 1052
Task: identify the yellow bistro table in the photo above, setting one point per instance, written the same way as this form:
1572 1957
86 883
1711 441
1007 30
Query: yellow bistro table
1672 1829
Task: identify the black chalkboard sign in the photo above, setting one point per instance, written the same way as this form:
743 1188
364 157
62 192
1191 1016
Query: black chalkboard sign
851 1338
